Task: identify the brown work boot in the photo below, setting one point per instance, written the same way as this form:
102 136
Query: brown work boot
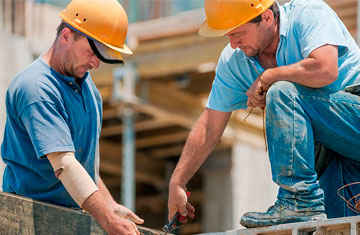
279 215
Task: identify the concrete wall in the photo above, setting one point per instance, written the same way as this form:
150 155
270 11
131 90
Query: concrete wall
218 188
236 181
253 189
41 22
14 56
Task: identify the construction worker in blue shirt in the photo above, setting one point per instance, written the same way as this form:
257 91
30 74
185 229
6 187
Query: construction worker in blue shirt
54 114
295 61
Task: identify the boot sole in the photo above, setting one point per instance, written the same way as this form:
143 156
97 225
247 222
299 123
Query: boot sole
250 222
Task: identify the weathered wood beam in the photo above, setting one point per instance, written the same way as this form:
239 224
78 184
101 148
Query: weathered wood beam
338 5
138 126
186 22
178 60
161 139
146 170
21 215
164 152
152 110
110 167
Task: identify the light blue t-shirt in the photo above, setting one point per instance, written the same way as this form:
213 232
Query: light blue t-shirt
305 25
49 112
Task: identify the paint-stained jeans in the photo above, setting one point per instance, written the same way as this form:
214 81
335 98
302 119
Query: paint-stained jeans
296 116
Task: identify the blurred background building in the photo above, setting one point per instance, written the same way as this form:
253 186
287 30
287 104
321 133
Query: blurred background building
151 104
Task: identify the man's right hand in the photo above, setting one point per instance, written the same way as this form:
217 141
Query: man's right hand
178 202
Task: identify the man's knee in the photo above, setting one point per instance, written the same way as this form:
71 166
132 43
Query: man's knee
279 90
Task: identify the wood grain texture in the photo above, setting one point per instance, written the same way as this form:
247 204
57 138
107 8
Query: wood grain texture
21 215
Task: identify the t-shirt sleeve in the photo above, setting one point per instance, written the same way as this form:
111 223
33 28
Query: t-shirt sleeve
47 128
227 93
317 25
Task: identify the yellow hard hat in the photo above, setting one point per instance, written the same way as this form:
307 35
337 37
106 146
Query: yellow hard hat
103 21
222 16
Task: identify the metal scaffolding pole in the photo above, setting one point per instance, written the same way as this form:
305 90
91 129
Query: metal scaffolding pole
128 180
124 91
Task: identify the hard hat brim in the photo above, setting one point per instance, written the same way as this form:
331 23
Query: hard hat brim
206 31
104 53
125 49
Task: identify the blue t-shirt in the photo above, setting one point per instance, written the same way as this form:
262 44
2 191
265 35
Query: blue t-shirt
305 25
48 112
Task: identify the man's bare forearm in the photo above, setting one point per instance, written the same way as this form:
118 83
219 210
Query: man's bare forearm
202 140
105 192
99 209
319 70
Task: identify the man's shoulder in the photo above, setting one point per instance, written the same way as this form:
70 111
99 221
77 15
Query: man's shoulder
32 84
31 75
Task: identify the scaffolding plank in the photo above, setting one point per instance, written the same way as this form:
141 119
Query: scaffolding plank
344 226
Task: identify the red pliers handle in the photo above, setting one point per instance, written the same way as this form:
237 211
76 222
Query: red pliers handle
175 221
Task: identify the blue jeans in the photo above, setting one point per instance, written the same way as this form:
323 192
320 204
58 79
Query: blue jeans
340 171
296 116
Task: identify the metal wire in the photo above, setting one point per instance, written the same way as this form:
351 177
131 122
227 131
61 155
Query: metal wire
354 202
263 127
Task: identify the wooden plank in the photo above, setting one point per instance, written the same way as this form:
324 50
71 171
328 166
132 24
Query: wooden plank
21 215
165 152
178 60
138 126
155 111
338 5
146 170
162 139
186 22
140 176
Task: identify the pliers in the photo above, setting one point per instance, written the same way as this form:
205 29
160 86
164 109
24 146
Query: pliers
175 221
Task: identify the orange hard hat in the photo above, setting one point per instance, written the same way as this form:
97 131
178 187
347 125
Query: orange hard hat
103 21
222 16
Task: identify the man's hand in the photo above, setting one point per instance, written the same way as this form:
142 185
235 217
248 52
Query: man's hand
178 201
126 213
256 95
105 214
122 226
257 92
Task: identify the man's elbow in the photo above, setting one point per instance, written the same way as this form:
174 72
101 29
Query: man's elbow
330 75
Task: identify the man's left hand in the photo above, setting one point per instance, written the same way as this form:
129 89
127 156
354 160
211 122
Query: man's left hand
126 213
257 92
256 95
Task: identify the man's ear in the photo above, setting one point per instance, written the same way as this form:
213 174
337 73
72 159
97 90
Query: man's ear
65 36
267 16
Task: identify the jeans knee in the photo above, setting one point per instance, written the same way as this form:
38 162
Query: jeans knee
278 90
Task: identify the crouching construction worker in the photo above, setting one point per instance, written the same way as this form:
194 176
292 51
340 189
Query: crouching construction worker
296 61
54 114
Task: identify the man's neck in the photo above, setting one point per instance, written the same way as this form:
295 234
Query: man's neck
267 58
52 58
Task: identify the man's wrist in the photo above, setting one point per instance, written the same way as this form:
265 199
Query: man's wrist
176 184
267 78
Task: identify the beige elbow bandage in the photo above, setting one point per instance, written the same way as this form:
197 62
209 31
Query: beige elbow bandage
73 176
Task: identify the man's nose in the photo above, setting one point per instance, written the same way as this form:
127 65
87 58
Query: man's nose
95 62
234 43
